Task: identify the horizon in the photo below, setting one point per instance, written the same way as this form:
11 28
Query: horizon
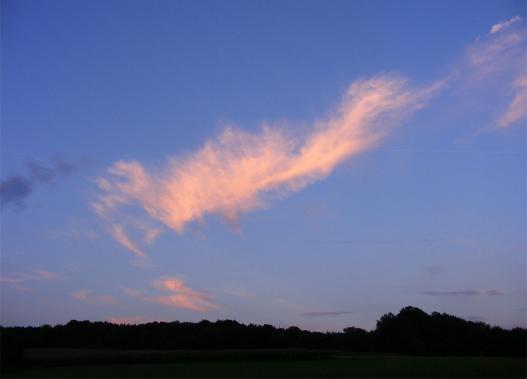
138 322
313 165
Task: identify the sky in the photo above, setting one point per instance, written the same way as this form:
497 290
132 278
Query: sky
306 163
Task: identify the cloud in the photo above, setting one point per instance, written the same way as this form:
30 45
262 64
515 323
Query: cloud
80 294
14 190
493 292
503 24
234 173
495 52
517 109
151 234
503 52
490 292
118 232
46 275
180 296
327 314
19 280
85 295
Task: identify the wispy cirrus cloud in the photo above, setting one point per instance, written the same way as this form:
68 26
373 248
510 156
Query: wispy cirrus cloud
86 296
503 51
517 109
20 280
234 173
179 295
119 234
80 294
503 24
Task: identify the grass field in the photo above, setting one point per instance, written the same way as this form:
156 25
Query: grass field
260 364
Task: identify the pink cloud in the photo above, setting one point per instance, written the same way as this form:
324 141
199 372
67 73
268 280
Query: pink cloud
231 174
85 295
517 109
180 296
33 275
118 232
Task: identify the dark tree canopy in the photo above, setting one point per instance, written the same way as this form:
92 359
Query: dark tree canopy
412 331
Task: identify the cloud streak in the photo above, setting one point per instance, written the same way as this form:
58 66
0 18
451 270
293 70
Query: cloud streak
517 109
19 280
86 296
118 232
490 292
503 51
501 25
234 173
179 296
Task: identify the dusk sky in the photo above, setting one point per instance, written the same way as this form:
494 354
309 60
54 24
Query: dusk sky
308 163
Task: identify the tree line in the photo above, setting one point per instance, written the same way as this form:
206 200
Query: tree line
411 331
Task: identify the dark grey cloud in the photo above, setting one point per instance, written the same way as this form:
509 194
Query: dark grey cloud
15 189
490 292
327 314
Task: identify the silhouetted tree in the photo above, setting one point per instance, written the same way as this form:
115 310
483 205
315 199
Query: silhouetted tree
411 331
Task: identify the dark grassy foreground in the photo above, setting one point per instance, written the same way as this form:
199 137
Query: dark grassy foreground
77 363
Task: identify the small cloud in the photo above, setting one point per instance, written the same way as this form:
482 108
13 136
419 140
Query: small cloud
493 292
503 24
151 233
179 295
517 109
19 280
503 52
14 190
85 295
490 292
118 232
10 280
327 314
46 275
81 295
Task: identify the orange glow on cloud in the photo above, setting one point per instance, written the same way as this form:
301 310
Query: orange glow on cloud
230 175
120 236
180 296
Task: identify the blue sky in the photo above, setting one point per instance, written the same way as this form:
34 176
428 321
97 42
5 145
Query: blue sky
431 212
